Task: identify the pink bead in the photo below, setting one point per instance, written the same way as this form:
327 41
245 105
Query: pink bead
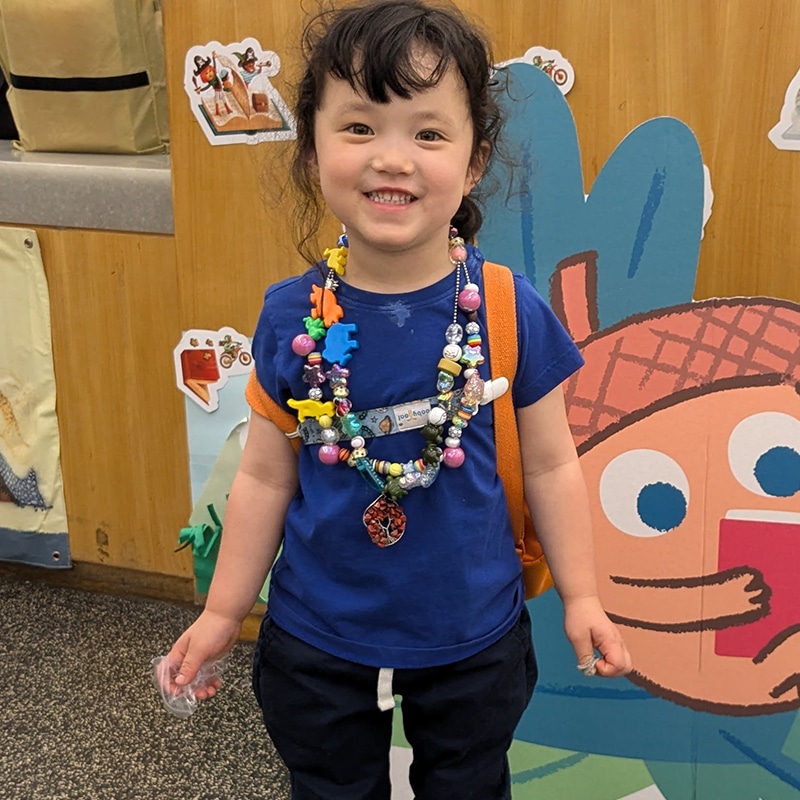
303 344
469 300
453 457
329 454
458 254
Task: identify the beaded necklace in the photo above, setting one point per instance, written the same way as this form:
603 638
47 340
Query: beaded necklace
328 339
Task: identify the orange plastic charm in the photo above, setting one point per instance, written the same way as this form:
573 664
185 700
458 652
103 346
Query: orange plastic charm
325 306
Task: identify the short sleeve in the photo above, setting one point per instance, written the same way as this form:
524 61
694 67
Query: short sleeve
547 356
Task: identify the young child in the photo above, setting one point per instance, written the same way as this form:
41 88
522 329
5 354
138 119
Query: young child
396 123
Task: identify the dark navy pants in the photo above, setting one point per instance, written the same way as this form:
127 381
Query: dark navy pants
322 715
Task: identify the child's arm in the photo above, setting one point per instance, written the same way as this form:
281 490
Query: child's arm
556 495
262 489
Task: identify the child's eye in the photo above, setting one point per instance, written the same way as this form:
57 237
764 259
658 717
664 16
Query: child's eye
359 129
429 136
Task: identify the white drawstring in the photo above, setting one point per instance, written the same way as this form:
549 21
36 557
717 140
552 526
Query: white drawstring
385 693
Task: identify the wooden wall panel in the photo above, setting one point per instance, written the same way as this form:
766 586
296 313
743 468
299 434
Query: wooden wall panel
721 66
113 302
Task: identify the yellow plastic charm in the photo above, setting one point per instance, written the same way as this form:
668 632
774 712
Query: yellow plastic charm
311 408
337 259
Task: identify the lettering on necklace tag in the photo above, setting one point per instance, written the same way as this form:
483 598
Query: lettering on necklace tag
412 415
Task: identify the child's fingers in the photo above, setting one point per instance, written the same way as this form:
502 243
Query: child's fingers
616 661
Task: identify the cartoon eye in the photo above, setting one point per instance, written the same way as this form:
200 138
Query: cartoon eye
644 493
764 454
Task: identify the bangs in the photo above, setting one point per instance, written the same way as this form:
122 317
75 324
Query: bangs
405 54
380 72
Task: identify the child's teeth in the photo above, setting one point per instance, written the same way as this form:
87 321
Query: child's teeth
390 197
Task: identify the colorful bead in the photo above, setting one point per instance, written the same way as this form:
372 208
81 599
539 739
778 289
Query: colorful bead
444 382
351 425
453 457
395 469
429 476
452 351
329 454
447 365
469 298
437 416
338 375
454 333
358 442
457 250
343 406
303 344
473 391
330 435
313 375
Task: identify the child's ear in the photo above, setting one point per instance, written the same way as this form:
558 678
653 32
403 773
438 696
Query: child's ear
313 166
477 167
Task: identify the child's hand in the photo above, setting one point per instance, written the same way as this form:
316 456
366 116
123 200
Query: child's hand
588 628
208 639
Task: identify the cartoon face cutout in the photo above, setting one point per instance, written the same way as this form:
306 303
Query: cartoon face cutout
697 522
208 74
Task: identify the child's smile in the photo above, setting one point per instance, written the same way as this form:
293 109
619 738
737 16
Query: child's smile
395 173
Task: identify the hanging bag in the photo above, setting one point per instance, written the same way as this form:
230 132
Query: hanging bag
85 76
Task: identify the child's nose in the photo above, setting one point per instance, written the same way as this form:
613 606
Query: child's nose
393 158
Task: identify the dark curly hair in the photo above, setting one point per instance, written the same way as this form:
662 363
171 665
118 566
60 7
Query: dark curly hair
372 45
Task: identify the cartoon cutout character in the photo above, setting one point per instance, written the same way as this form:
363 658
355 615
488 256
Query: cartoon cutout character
238 103
217 80
250 68
687 420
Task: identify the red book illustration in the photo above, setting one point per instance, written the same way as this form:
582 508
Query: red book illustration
199 368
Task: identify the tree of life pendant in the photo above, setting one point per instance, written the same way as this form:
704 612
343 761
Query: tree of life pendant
385 521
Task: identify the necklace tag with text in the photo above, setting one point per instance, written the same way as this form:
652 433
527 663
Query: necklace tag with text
412 415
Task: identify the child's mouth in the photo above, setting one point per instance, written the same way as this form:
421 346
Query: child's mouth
391 198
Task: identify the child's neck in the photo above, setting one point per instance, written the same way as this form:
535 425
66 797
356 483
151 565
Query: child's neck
395 273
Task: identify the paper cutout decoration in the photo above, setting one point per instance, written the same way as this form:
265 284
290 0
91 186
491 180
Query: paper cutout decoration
33 521
551 62
204 539
231 95
687 420
205 359
786 134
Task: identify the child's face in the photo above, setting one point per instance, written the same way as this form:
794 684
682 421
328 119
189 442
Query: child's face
395 173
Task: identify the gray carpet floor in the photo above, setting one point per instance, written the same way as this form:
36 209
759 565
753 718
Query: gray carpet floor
81 720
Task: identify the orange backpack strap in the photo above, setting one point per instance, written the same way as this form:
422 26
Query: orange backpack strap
501 324
264 405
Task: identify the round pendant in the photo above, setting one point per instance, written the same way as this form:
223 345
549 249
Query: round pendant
385 521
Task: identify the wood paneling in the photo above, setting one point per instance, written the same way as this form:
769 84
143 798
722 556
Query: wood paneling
114 299
721 66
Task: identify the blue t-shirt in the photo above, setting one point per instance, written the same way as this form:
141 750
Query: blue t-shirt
452 585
